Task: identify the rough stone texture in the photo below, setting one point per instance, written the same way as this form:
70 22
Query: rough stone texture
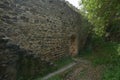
19 64
42 26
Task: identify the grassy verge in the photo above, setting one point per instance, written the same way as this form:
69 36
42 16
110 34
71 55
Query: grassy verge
56 77
104 53
62 75
58 64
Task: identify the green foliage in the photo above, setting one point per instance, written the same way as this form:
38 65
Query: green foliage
56 77
101 13
62 75
104 53
101 52
63 61
113 31
112 73
105 16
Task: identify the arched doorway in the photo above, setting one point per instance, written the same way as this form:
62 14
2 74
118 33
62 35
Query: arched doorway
73 45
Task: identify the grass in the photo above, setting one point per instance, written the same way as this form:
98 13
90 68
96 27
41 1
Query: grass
63 62
58 64
112 72
62 75
56 77
104 53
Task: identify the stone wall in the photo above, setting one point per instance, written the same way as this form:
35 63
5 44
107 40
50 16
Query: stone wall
35 32
20 64
42 26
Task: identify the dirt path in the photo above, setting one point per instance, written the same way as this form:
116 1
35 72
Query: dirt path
84 70
78 70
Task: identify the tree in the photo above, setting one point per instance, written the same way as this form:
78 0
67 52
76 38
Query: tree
103 14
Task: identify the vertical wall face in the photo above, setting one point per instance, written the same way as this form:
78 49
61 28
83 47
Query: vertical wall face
42 26
49 28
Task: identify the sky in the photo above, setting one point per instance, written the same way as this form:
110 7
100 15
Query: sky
74 2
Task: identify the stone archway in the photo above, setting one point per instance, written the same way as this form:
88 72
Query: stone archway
73 45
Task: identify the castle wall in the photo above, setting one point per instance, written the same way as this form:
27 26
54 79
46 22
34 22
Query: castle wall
42 26
34 33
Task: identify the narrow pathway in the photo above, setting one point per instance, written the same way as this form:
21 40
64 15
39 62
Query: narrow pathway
59 71
78 70
84 70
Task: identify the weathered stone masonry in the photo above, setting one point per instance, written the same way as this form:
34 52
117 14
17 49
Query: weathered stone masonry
49 29
43 26
19 64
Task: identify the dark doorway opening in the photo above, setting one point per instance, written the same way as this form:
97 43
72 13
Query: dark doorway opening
73 45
